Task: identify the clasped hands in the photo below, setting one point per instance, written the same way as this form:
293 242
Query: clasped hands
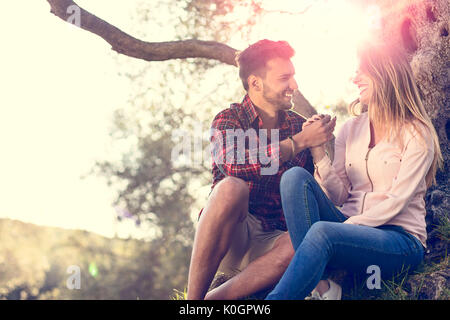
318 130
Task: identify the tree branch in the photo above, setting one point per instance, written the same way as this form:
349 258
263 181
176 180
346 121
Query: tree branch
123 43
293 13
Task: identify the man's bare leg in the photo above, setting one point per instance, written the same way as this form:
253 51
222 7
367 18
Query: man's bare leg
227 206
259 274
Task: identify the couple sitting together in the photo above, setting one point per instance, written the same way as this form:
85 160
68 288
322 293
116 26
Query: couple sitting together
287 229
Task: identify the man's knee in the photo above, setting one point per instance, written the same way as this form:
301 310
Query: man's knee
233 189
233 194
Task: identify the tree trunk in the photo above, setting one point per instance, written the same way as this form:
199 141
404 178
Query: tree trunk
421 28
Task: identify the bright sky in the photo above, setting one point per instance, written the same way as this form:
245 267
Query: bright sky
60 86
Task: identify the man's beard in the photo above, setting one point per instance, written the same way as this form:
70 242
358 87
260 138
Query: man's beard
276 99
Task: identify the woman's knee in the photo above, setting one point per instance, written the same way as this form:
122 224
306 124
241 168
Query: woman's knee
321 233
294 177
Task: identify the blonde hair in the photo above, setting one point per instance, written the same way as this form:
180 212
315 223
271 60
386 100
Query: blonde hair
396 101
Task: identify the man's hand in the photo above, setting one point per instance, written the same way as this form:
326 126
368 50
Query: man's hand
316 131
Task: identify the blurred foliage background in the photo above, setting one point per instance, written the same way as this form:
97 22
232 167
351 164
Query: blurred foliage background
151 189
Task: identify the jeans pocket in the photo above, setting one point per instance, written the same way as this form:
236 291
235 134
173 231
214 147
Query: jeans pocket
416 248
414 244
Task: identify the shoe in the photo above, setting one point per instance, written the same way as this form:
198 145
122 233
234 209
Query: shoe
314 296
334 293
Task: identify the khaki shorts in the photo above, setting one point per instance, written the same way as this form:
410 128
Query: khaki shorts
249 241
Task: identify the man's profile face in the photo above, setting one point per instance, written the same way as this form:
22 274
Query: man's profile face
279 83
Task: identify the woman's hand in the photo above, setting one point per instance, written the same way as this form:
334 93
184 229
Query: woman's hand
314 118
317 152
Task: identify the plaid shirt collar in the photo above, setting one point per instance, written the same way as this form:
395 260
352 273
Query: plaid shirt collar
247 113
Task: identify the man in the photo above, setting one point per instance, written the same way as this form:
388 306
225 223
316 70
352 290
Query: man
242 228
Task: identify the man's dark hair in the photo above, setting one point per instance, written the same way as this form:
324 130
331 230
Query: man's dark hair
253 60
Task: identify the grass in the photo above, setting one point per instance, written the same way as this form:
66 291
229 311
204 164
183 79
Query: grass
396 288
179 295
402 286
443 228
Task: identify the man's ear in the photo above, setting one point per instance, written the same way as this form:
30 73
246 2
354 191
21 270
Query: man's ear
254 82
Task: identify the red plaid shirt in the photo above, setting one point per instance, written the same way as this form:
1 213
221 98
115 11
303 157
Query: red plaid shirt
265 199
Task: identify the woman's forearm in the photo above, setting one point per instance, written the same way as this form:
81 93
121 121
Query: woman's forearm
318 153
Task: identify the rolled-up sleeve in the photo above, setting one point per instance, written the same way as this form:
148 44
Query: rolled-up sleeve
242 154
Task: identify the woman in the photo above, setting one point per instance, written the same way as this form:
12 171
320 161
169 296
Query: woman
385 158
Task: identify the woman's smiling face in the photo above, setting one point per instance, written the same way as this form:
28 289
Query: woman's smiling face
364 83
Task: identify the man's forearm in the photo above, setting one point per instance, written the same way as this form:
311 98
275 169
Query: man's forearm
289 151
300 142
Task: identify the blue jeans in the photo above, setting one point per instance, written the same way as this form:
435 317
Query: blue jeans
321 240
